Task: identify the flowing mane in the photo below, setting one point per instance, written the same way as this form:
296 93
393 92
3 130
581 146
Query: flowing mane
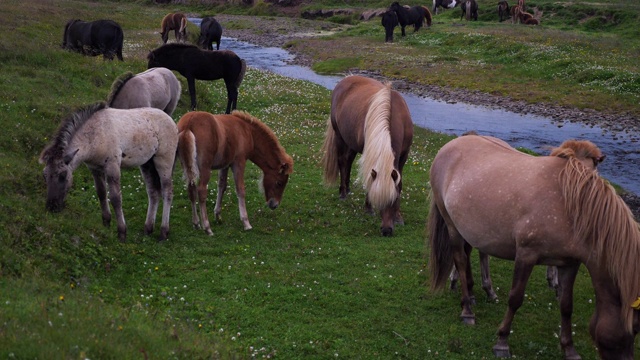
602 220
68 128
117 85
377 153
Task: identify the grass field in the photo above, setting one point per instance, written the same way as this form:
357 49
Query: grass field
313 279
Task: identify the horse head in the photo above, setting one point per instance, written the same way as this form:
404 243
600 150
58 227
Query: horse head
274 181
583 150
58 176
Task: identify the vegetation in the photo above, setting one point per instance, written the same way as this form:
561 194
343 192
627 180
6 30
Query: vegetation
312 279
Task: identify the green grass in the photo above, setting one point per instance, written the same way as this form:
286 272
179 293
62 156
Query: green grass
312 279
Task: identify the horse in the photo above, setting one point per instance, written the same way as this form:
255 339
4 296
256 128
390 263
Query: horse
445 4
194 63
94 38
469 10
370 118
210 31
583 150
208 141
105 140
415 16
176 22
157 87
503 10
389 21
549 210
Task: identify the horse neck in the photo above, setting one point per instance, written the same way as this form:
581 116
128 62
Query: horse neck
266 151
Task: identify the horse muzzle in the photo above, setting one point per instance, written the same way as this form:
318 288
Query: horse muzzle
273 204
54 206
386 231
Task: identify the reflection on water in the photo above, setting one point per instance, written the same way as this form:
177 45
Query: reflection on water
622 165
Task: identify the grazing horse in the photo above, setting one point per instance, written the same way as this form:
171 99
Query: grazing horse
157 87
590 156
94 38
194 63
415 16
503 10
445 4
469 10
176 22
549 210
105 140
210 31
389 21
370 118
221 142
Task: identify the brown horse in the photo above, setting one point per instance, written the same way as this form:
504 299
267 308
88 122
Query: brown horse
221 142
370 118
176 22
550 210
585 151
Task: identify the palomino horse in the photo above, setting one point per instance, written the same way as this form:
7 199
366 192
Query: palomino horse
194 63
370 118
550 210
221 142
590 156
105 140
415 16
176 22
157 87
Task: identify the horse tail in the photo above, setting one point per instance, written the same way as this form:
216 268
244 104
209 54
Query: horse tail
427 15
330 155
376 165
117 86
243 69
119 44
468 10
183 26
188 156
441 255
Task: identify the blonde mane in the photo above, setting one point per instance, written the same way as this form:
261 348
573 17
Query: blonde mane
378 153
603 222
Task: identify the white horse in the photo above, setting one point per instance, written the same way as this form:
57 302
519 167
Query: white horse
157 87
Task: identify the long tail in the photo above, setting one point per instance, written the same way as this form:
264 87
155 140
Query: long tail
329 155
243 69
468 10
441 255
183 25
427 15
188 156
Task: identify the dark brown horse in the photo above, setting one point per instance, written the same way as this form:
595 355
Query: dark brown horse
370 118
548 210
503 10
415 15
176 22
221 142
194 63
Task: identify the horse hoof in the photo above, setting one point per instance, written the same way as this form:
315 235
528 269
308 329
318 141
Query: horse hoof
468 320
209 232
248 227
501 352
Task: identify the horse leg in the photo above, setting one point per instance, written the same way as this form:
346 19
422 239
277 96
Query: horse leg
193 198
152 182
205 175
402 28
522 271
566 277
487 285
115 196
232 96
461 261
222 187
191 81
552 279
165 175
101 188
469 277
238 176
345 161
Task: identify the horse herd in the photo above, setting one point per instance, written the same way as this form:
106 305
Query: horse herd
535 210
403 15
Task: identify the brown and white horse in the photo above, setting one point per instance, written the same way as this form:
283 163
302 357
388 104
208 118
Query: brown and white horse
549 210
208 141
176 22
370 118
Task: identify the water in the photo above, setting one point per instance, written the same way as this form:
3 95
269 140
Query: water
621 166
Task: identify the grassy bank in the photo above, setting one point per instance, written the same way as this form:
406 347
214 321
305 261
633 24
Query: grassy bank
312 279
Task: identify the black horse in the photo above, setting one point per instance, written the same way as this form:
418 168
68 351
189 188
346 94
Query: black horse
210 31
415 16
194 63
445 4
389 21
469 9
503 10
94 38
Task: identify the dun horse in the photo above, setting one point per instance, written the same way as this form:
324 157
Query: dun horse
156 87
221 142
194 63
415 16
550 210
176 22
369 118
105 140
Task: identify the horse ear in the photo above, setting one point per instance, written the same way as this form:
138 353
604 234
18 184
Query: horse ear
67 158
374 174
600 159
283 168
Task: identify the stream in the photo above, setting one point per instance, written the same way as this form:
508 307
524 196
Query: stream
621 166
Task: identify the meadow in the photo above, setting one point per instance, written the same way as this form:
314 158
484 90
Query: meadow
313 279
